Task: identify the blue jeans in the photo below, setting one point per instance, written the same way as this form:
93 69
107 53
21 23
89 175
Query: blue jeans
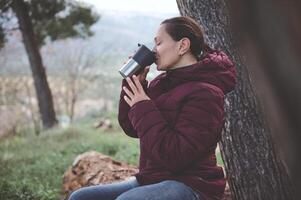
130 190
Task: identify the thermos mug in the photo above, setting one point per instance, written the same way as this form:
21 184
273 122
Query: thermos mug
142 58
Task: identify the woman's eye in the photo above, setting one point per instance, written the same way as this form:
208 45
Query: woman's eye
158 43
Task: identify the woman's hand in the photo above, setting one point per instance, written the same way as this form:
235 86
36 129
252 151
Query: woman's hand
136 94
142 76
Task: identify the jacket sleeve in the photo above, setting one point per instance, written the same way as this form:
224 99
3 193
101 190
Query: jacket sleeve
123 111
197 128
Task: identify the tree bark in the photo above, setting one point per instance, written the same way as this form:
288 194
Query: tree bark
253 167
38 71
270 34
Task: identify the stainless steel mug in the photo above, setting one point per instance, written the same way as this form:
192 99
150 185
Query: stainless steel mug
142 58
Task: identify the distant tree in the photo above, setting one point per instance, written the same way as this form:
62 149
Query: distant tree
40 20
73 65
1 37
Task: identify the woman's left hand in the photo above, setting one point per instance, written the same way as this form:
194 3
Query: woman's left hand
137 94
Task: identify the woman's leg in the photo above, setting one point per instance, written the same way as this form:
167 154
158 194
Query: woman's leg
104 192
166 190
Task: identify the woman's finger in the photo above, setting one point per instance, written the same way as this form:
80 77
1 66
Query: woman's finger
132 85
127 100
146 70
137 83
128 92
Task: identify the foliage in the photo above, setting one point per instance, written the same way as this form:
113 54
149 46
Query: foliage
10 192
51 19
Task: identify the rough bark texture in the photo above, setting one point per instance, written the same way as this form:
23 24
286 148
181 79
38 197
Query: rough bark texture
38 71
254 170
270 34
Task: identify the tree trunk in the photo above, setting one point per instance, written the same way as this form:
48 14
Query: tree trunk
270 34
38 71
253 167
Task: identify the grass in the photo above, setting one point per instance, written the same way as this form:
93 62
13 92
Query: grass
31 167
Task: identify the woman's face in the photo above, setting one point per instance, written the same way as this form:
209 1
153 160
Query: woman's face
166 50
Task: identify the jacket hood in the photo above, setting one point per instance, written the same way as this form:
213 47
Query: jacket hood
215 68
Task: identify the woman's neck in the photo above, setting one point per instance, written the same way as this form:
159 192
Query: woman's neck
185 60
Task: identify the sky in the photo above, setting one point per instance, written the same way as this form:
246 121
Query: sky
155 6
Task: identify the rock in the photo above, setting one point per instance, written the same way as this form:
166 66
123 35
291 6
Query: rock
104 124
92 168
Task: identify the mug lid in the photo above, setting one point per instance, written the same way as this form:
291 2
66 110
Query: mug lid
144 56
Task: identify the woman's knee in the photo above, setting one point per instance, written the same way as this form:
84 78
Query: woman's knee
129 195
76 195
80 194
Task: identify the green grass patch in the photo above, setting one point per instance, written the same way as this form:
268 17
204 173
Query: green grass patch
32 166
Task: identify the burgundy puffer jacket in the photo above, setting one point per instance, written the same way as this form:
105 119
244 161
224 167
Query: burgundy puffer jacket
180 126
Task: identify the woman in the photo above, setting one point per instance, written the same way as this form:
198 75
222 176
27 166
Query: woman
178 119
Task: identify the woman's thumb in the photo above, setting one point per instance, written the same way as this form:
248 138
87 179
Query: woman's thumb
147 69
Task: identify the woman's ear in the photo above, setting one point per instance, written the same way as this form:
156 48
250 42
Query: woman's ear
184 46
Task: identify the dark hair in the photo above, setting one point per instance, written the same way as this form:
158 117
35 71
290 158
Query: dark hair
180 27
